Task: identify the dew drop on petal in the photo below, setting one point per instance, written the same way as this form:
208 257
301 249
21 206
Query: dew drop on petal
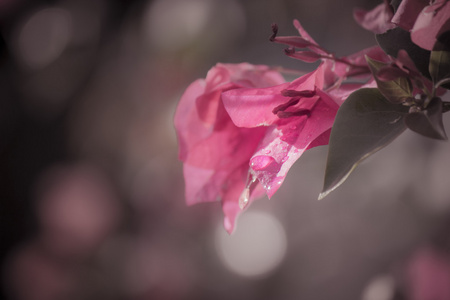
266 151
244 198
284 159
261 162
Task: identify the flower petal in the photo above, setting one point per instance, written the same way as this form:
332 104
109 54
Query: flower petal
376 20
286 142
431 22
253 107
407 13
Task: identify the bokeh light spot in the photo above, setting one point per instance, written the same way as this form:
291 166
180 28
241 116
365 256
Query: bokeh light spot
256 247
43 37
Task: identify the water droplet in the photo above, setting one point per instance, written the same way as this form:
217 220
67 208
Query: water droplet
244 198
261 162
293 127
284 159
283 138
266 151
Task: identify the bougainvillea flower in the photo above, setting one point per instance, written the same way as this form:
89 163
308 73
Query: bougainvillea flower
299 116
428 274
377 20
432 21
407 13
242 128
424 19
216 152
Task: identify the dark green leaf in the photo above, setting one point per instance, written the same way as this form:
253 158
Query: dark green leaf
445 107
439 65
396 39
397 90
365 123
428 122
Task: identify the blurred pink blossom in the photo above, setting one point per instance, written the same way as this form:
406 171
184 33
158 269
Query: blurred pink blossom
428 275
426 20
377 20
77 209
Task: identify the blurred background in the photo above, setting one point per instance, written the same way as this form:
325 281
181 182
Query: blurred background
91 189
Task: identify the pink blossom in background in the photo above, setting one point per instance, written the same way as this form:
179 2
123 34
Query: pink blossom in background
428 275
377 20
432 21
215 151
77 209
407 13
424 19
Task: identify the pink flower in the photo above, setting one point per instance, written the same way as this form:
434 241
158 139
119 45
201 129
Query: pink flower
407 13
432 21
242 128
299 116
377 20
428 275
215 151
426 20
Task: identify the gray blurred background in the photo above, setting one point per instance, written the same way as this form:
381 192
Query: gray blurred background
91 189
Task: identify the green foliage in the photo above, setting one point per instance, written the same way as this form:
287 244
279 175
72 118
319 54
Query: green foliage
396 91
397 39
440 66
365 123
428 122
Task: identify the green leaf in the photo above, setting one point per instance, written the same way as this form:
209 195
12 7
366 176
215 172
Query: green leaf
439 65
428 122
365 123
397 39
397 90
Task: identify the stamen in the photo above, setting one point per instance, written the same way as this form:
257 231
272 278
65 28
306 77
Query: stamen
290 50
284 106
298 113
274 32
294 93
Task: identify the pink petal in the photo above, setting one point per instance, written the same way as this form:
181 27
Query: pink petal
306 56
376 20
246 75
294 41
230 204
285 143
190 130
198 184
407 13
431 22
253 107
341 93
303 33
